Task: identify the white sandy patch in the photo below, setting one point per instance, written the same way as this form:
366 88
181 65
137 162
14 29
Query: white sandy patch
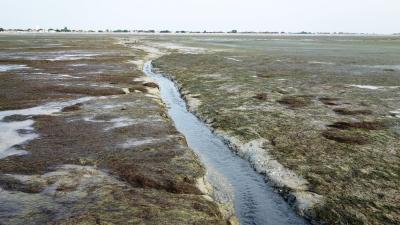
122 122
68 76
387 67
231 88
395 113
114 122
152 52
259 107
9 130
99 85
126 90
156 50
144 79
73 57
84 178
181 48
256 152
153 91
372 87
139 63
193 101
134 142
112 106
78 65
119 122
233 59
5 68
41 75
138 142
322 63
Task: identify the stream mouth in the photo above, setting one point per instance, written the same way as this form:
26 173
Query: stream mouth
256 203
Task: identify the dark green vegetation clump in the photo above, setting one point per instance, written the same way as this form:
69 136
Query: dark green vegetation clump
114 159
343 139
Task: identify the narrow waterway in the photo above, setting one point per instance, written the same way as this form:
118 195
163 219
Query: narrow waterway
255 201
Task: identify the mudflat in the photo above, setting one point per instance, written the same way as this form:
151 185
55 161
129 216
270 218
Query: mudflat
319 115
86 140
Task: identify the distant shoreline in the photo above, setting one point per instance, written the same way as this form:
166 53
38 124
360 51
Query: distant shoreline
204 34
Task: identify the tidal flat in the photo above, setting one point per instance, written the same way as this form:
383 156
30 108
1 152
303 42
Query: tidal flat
87 139
318 115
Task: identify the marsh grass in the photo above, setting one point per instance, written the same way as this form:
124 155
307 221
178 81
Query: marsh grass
335 136
346 111
151 184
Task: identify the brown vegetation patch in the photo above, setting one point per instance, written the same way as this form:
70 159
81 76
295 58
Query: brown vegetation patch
150 172
71 108
140 88
169 167
296 101
329 100
152 176
104 117
151 84
365 125
261 96
345 111
263 75
117 79
345 137
17 93
281 91
90 91
16 118
389 70
12 184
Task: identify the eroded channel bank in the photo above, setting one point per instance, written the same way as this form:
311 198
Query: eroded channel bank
255 201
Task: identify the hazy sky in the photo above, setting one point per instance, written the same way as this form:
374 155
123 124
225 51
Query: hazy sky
373 16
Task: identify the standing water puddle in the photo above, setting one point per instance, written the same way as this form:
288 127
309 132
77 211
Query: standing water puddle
10 131
255 201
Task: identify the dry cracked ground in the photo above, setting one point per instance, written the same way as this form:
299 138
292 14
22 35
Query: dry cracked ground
85 138
327 108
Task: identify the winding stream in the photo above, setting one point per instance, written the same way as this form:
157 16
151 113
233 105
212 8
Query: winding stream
256 203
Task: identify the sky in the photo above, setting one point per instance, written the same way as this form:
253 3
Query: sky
359 16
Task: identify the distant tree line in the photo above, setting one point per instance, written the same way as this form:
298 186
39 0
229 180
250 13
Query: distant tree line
66 29
120 31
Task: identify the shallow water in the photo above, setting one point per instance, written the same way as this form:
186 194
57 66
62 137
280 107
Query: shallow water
18 132
255 202
5 68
